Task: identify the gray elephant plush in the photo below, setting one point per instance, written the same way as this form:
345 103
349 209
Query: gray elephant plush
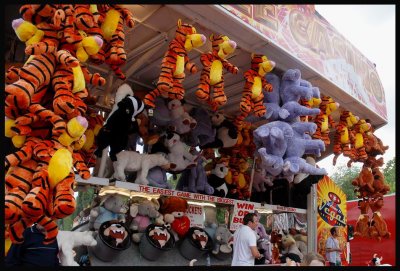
144 214
112 207
223 239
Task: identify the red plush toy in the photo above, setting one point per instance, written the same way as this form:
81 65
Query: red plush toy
174 209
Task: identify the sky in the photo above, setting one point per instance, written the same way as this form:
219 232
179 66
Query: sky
371 29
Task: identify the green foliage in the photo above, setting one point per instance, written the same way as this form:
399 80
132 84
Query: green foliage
344 175
83 200
390 174
173 179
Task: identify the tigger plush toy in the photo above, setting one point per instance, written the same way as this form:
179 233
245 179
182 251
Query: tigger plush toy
113 32
50 180
252 95
358 139
342 134
212 73
174 63
324 119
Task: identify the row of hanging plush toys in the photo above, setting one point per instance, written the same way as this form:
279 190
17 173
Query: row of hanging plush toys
170 86
354 138
45 107
370 186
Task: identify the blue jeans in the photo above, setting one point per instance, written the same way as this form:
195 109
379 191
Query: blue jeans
335 264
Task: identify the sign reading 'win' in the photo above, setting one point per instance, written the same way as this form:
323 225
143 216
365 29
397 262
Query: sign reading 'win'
240 209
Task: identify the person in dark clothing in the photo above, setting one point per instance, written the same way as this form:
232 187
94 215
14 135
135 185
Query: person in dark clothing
32 252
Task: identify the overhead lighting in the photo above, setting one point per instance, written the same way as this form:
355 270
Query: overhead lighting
202 203
263 211
114 190
144 195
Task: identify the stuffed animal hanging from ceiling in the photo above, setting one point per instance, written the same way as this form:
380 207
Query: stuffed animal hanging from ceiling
324 119
212 73
175 62
342 134
51 194
35 73
255 83
358 139
113 33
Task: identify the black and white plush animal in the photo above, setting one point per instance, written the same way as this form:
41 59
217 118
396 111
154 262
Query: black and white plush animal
226 135
217 181
120 123
177 152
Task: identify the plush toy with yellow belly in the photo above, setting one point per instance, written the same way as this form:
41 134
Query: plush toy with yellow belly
324 119
255 83
358 139
174 63
212 73
50 189
342 135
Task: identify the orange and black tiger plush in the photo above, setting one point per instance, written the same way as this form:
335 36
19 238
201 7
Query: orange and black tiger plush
342 134
115 55
255 83
358 140
37 13
34 74
174 63
324 119
212 73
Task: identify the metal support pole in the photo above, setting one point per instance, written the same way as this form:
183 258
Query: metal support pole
103 163
312 219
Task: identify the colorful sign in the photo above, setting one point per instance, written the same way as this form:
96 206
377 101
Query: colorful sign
196 215
240 209
332 212
305 34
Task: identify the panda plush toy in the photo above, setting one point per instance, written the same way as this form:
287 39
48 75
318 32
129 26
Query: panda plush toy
226 135
120 123
217 180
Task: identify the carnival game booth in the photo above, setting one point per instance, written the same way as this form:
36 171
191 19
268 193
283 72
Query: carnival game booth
165 110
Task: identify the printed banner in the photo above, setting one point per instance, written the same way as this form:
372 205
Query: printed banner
196 215
240 209
332 212
308 36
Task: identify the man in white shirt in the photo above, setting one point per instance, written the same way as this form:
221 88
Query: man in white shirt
332 249
245 242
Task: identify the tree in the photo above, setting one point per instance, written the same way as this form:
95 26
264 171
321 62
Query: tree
343 177
83 200
390 174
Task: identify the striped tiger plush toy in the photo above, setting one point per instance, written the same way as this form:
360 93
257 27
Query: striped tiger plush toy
37 13
113 32
324 119
174 63
212 73
342 135
252 95
37 72
358 139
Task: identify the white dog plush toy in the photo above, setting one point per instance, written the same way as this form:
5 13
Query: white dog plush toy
178 152
134 161
67 240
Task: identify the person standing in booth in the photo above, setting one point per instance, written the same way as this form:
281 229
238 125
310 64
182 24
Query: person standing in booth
32 252
332 248
245 242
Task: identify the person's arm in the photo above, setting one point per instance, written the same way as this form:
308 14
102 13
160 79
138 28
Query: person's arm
254 251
